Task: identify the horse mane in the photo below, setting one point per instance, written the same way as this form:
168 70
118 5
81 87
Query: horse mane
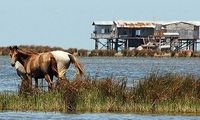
25 53
28 51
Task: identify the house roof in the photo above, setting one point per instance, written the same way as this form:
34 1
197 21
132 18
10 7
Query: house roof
102 23
195 23
135 24
142 24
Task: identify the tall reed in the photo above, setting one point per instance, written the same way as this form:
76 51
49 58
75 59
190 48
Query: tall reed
156 93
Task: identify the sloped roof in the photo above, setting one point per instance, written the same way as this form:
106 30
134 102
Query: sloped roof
102 23
142 24
195 23
135 24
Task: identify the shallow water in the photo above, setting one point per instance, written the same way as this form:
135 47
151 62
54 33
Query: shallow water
137 68
98 67
100 116
119 68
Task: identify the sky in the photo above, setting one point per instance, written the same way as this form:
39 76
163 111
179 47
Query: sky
68 23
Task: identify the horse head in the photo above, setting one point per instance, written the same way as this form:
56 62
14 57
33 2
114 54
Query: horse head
13 54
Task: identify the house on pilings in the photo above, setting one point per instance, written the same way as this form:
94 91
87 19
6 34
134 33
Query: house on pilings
115 35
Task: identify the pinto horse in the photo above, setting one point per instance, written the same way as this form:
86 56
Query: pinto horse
35 65
63 60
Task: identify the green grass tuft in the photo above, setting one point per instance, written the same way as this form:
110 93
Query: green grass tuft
157 93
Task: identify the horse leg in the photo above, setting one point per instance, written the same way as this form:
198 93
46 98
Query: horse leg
30 81
61 73
28 84
36 82
48 79
51 77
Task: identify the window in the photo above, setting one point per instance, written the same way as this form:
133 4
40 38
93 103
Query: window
138 32
105 30
102 31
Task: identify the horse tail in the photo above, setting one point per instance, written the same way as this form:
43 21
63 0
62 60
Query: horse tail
77 64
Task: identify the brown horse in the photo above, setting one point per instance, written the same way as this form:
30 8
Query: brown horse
36 65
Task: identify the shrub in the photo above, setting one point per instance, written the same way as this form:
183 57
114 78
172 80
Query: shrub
128 53
72 50
94 53
83 52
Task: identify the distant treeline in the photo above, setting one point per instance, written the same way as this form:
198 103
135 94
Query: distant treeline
109 53
40 49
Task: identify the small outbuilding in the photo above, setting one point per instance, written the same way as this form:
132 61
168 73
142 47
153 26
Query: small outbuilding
188 34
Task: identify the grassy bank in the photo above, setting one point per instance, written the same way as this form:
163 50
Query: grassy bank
157 93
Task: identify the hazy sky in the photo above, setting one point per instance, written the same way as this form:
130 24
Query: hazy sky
68 23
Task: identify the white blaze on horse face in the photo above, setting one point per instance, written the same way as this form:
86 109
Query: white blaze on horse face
13 58
63 61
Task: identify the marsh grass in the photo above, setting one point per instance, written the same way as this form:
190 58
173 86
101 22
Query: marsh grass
107 53
157 93
102 53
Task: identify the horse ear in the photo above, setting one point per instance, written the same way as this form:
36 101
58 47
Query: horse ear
10 47
15 47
